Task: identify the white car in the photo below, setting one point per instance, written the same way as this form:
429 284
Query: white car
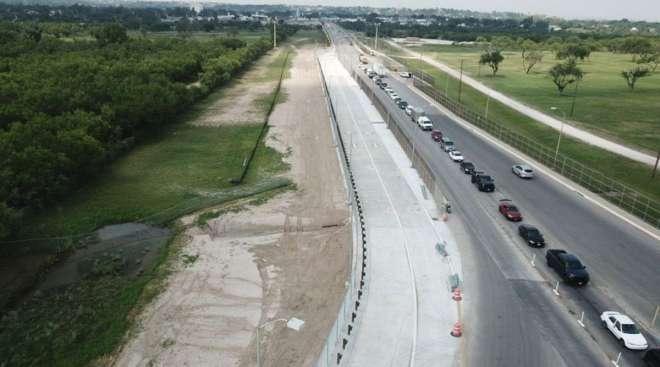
522 171
409 110
456 156
424 123
405 74
624 329
394 95
389 90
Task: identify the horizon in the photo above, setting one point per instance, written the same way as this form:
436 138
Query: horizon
483 8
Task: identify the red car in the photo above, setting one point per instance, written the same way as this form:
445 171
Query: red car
509 211
436 135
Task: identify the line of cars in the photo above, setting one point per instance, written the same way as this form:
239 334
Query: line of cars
568 266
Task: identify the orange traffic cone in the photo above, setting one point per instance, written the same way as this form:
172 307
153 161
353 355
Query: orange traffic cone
457 294
456 332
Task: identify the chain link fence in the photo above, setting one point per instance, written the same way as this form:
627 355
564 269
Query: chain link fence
356 286
595 181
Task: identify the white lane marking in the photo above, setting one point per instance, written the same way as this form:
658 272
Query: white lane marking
413 346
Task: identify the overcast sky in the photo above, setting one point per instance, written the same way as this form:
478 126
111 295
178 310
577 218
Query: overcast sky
584 9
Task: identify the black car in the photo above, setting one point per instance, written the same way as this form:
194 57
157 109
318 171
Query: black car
402 104
652 357
568 266
531 235
383 84
467 167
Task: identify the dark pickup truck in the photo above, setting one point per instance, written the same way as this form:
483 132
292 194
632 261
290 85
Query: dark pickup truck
482 181
568 266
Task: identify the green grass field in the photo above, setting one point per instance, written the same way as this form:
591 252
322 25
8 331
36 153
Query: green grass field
184 163
604 104
636 175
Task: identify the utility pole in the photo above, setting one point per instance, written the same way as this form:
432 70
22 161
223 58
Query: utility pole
561 131
376 39
574 98
460 83
655 169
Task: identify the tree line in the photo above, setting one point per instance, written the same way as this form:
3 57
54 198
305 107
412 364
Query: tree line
68 108
150 18
455 29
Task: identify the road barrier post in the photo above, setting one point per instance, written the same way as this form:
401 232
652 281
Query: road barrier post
655 316
456 331
555 290
533 258
618 359
457 295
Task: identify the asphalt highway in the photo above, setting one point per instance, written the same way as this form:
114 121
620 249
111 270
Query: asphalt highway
512 316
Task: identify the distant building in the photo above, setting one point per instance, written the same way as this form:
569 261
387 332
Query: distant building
554 28
226 18
170 19
634 30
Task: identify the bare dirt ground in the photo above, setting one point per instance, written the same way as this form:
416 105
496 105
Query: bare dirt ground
238 103
285 258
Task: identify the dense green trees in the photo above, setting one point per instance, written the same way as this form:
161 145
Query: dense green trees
66 108
574 51
111 33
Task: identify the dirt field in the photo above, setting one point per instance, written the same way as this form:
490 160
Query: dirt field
285 258
238 103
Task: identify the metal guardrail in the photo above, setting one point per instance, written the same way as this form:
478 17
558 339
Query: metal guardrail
595 181
356 287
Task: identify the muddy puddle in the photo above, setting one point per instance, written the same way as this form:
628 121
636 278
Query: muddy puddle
124 249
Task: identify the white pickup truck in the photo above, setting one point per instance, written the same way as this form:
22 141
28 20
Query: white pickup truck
424 123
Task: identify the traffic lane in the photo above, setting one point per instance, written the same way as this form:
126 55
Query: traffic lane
509 304
584 301
610 247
